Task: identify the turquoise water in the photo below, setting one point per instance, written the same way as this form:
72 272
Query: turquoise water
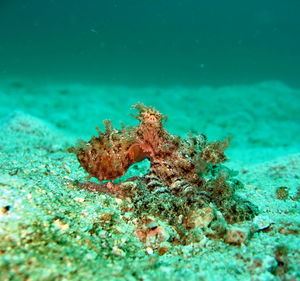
219 68
142 43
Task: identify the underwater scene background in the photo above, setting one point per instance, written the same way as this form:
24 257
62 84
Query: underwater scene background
140 43
162 201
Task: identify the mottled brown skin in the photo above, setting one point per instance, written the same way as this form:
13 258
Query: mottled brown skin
162 148
213 152
184 174
108 156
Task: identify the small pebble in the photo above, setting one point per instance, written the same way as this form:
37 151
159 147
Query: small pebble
149 251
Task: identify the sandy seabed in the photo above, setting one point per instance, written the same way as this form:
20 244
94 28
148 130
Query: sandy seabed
50 229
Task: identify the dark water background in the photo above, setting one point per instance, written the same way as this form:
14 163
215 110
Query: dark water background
148 42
